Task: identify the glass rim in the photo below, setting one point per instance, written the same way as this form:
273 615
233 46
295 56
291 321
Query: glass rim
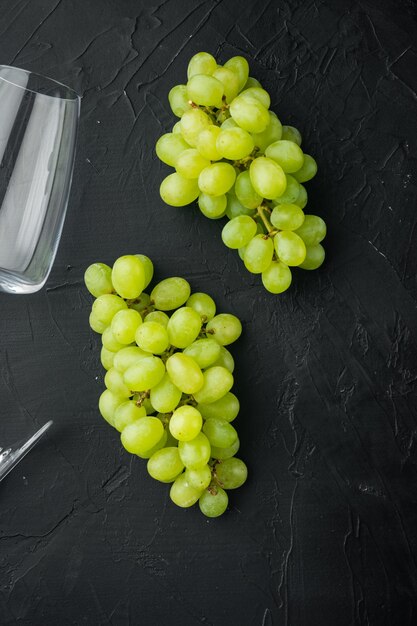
75 96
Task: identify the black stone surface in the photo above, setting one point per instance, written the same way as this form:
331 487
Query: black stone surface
325 530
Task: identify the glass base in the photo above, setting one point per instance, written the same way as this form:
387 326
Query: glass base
15 283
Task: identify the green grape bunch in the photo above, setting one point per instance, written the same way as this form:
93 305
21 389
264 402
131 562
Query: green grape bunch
233 155
168 379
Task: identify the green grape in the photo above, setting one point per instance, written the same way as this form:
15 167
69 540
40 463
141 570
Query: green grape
124 325
225 328
97 279
203 304
158 446
206 143
127 413
287 154
314 257
201 63
245 192
228 123
176 190
234 208
142 302
109 340
249 114
192 123
220 433
158 316
217 179
272 132
290 133
205 352
291 193
289 247
307 171
217 382
182 493
107 358
267 177
106 307
231 473
227 408
221 454
252 82
205 90
238 231
108 403
96 324
128 276
185 423
145 402
169 147
195 453
114 381
258 254
184 373
142 435
302 197
212 207
240 67
241 252
277 278
313 230
190 163
165 465
128 356
183 327
147 266
152 337
259 94
199 478
176 129
165 396
145 374
225 358
213 501
287 217
234 143
230 82
178 101
170 293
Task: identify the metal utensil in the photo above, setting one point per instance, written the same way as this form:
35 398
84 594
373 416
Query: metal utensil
11 456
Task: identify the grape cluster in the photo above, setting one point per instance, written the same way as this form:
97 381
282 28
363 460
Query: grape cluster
233 154
168 379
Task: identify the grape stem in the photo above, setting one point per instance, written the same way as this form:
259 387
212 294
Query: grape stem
244 163
261 212
165 417
188 400
142 396
165 355
209 110
270 229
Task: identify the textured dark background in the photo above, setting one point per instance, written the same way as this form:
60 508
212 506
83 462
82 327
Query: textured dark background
325 530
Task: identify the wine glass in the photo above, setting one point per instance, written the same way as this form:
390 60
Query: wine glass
12 455
38 129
